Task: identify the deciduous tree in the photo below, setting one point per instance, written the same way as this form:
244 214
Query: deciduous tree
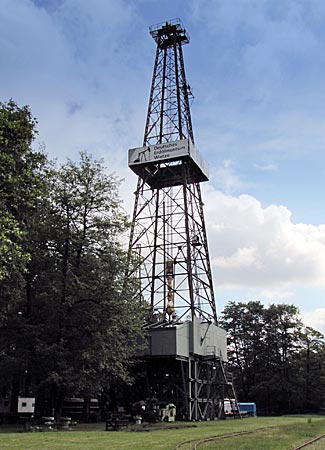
91 325
277 362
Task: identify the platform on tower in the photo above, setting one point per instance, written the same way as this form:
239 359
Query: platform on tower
166 33
162 165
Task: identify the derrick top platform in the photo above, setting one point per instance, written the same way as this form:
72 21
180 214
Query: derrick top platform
166 34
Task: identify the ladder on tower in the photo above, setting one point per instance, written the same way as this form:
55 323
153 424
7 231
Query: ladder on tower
229 393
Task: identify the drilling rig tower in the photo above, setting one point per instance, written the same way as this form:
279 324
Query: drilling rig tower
186 355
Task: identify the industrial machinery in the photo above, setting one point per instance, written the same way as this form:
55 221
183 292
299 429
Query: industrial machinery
186 354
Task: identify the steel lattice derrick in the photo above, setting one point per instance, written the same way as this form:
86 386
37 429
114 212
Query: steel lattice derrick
168 234
169 228
168 116
169 249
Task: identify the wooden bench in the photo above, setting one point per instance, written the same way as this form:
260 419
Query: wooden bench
115 423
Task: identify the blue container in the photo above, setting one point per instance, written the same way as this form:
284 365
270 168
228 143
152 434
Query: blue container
247 409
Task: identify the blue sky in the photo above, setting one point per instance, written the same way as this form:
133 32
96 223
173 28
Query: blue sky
256 68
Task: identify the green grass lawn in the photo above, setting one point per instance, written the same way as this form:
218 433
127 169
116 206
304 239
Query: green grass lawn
289 432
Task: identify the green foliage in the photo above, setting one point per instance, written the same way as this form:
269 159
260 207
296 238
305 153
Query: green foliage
90 325
68 325
12 255
21 185
267 350
20 167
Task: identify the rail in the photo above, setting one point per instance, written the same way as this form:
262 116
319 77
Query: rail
197 442
311 442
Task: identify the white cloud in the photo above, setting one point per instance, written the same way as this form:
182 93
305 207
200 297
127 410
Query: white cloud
255 246
70 61
244 257
266 167
276 294
266 69
315 319
226 178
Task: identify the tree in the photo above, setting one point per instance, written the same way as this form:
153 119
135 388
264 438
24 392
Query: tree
283 325
309 369
12 255
21 184
21 191
68 325
244 323
86 326
265 344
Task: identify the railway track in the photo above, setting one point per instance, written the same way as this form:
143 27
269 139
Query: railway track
196 443
310 444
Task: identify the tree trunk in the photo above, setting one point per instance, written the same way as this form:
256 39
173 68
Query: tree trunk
86 409
14 396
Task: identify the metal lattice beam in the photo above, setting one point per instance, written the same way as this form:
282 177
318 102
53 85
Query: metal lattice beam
168 233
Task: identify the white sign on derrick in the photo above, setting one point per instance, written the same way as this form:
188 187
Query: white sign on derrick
168 151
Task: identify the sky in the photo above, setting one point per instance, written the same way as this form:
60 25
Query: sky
257 72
